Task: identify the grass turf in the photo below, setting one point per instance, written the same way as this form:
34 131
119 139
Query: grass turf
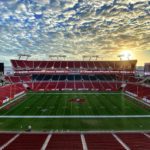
59 104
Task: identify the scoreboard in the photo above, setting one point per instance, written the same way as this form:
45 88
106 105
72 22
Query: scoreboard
1 68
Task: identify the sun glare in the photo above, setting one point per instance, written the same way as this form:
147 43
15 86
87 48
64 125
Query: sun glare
126 55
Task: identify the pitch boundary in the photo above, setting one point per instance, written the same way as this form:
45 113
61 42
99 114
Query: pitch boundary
77 131
11 101
76 116
89 93
141 101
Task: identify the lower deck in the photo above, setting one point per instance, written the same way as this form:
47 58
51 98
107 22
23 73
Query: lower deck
76 141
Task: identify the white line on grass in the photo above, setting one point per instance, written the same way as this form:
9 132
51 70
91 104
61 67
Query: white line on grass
75 93
78 116
11 101
141 101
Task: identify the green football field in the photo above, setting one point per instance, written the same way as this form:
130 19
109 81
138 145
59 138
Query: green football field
75 111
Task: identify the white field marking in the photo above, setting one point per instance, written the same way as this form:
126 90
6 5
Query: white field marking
121 142
76 93
147 135
77 116
46 142
11 101
84 145
14 107
10 141
44 110
141 101
80 131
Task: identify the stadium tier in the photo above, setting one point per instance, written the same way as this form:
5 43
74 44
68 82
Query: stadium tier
71 75
75 141
9 92
15 79
64 86
138 90
26 66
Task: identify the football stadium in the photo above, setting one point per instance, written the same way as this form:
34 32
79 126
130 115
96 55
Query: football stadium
98 100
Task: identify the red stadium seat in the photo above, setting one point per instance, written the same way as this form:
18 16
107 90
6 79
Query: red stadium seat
65 142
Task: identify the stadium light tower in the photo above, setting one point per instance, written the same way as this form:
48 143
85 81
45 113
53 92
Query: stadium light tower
52 56
57 57
128 56
88 57
125 57
95 56
62 56
24 55
84 57
120 56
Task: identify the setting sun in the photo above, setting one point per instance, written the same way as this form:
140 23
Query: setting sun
126 55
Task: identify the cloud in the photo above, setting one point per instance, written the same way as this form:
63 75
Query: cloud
73 27
42 1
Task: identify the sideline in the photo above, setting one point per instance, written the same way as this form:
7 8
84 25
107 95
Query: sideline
141 101
77 116
77 131
11 101
77 93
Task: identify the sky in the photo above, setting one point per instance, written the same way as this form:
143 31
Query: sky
75 28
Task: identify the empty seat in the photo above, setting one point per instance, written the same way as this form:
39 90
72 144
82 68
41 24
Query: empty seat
103 141
5 137
27 142
137 141
65 142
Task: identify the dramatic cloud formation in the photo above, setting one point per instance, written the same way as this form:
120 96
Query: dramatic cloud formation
74 28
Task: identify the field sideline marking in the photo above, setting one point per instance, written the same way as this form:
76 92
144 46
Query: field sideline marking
141 101
76 93
11 101
77 116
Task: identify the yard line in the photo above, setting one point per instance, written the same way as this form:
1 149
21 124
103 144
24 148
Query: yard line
77 116
11 101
